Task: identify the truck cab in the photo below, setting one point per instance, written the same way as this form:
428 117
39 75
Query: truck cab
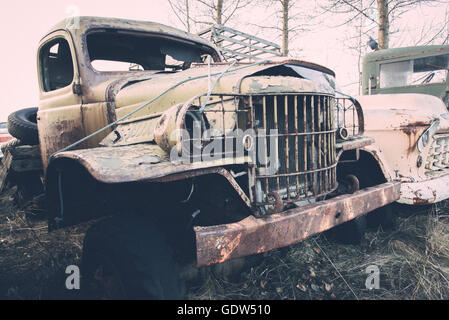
405 102
421 69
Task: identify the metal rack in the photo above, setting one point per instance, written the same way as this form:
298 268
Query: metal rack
237 45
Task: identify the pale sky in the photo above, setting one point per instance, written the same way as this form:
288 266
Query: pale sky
23 23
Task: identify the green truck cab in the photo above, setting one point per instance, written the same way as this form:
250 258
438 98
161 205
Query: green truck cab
421 69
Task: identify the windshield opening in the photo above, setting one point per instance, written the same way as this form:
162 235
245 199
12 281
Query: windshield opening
123 51
414 72
323 78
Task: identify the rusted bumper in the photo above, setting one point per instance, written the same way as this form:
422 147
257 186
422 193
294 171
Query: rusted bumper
426 192
252 235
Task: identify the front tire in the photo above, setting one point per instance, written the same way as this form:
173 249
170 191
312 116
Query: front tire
351 232
127 257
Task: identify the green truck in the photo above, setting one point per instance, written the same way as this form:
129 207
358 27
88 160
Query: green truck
405 102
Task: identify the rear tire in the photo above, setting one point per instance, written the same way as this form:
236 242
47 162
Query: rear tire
127 257
22 125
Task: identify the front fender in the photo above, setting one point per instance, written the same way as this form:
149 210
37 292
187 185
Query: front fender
88 184
396 122
135 163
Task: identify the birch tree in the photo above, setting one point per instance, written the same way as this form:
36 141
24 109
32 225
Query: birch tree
380 13
286 18
197 14
181 9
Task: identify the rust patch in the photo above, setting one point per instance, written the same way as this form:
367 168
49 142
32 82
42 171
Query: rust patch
419 201
413 131
59 135
252 235
412 128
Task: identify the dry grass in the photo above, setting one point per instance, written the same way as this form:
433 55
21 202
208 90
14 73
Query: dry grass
413 262
32 261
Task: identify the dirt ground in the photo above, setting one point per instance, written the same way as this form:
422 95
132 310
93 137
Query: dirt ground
413 261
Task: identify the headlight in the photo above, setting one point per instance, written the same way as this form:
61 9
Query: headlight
425 138
446 114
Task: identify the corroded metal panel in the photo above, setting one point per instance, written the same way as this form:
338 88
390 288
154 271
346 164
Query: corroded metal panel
397 122
59 129
141 162
252 235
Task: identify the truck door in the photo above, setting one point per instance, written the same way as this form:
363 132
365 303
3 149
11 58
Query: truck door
59 117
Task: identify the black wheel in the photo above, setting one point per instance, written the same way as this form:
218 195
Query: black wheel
351 232
127 257
368 174
383 217
22 125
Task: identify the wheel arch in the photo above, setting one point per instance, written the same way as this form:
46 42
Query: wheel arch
368 162
76 195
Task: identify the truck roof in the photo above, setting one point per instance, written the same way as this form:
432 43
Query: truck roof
87 22
406 52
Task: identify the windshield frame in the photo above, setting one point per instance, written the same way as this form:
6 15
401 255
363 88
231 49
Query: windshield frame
413 85
202 47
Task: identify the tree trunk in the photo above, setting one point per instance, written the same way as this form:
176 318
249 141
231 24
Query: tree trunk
219 11
285 4
188 15
384 24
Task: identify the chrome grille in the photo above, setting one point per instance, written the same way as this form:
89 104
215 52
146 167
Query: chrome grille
438 157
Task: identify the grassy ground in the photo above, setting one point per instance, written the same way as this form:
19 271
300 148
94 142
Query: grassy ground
413 261
32 261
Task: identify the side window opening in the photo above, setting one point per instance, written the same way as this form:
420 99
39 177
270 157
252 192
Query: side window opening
56 65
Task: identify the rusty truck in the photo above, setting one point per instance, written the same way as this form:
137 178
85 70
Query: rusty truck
405 102
182 157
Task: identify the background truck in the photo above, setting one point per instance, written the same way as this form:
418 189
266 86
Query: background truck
192 160
405 103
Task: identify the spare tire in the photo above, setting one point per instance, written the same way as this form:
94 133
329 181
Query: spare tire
22 125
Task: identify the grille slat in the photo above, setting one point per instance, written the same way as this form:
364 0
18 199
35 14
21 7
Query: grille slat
303 146
306 149
295 111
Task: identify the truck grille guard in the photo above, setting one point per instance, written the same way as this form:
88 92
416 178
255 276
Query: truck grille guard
304 143
291 147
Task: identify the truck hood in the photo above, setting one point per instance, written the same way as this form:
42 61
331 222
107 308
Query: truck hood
396 111
271 77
